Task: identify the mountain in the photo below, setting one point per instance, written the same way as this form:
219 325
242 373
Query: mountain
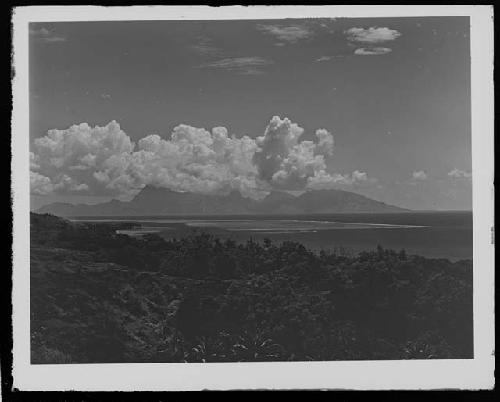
160 201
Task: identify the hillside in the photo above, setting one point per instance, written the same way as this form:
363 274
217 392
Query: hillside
161 201
99 297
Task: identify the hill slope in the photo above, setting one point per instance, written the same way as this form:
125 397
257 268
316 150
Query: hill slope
160 201
100 297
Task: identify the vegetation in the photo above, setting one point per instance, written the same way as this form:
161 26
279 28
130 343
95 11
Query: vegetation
97 296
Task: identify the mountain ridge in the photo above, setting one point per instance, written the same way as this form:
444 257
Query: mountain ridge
161 201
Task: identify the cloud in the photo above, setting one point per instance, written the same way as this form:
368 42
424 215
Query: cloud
374 51
66 183
328 58
247 65
354 181
457 174
419 175
371 35
105 96
74 156
197 160
286 33
104 161
205 47
284 162
339 55
239 65
42 34
358 176
34 161
43 185
325 142
39 184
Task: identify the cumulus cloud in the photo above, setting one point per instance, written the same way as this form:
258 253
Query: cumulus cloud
286 33
197 160
457 174
104 160
74 156
33 161
286 163
326 181
325 142
419 175
40 184
358 176
372 35
373 51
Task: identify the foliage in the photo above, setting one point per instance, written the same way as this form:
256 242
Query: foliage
97 296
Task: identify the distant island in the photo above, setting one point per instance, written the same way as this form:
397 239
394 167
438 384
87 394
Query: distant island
161 201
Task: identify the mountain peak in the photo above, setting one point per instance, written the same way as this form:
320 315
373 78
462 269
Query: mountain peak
153 200
150 189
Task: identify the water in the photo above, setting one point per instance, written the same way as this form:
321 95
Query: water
431 234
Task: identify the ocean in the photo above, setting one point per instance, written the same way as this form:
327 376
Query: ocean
430 234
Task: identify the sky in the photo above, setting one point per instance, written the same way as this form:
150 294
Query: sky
377 106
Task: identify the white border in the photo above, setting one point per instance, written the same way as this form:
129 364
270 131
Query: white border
476 373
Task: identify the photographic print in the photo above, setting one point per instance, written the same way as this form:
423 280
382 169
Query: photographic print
257 190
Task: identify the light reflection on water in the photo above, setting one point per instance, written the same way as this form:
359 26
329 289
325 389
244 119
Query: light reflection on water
270 226
432 234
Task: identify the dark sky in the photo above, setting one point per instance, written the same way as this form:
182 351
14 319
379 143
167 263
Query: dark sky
396 98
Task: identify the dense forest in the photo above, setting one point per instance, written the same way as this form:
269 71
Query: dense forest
98 296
